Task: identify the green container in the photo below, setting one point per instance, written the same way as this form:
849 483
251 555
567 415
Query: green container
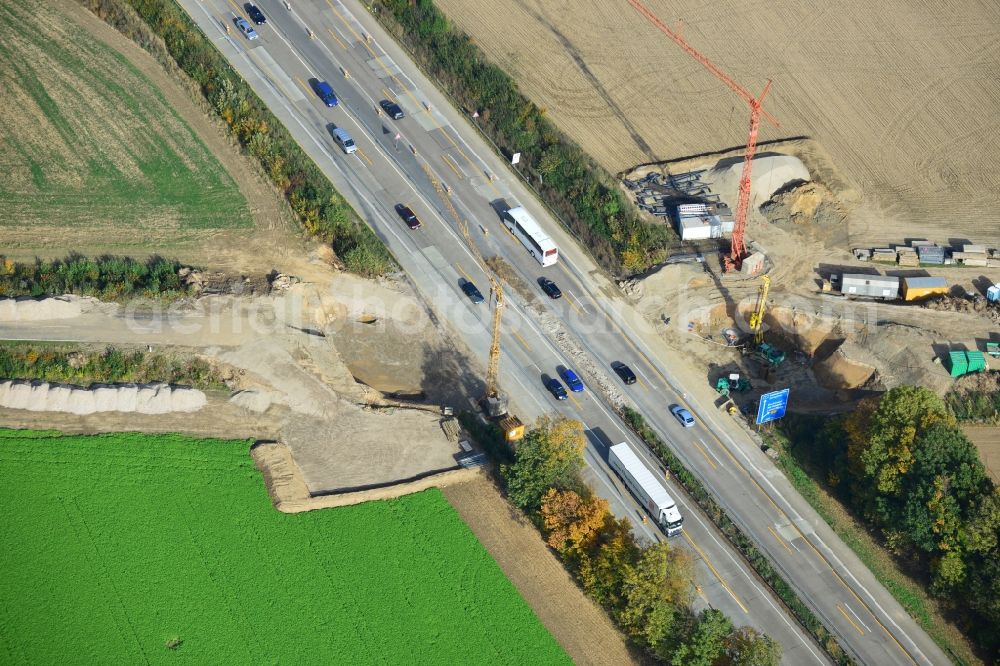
958 363
976 361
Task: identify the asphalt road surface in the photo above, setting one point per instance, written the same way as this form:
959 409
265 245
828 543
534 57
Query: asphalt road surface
434 154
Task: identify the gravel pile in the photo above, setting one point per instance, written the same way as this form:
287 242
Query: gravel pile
140 399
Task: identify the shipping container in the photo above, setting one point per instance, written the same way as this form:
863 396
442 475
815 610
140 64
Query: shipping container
916 288
958 364
993 293
930 254
702 221
976 361
870 286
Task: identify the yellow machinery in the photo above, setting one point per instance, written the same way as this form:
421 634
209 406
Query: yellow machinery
494 402
757 316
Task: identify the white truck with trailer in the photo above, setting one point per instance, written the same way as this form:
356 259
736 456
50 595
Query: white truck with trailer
646 487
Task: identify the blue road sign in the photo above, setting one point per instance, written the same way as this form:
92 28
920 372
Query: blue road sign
772 406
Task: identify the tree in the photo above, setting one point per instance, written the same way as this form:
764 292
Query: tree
748 647
550 456
572 522
943 485
610 563
660 584
704 645
880 441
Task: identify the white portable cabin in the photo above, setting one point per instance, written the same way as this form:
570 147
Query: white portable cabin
646 487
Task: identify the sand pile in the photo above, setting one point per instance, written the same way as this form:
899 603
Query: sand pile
252 400
29 309
848 367
142 399
805 204
771 172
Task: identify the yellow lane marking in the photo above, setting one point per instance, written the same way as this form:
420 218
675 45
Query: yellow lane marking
451 166
780 540
848 618
362 153
575 401
641 383
521 340
351 28
388 95
705 454
464 274
239 11
572 303
339 41
705 559
304 86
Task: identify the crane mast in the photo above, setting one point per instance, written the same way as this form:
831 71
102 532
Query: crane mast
738 248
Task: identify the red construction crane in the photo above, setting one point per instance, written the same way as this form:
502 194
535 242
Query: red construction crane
738 248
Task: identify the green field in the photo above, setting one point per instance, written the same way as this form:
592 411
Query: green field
115 546
88 139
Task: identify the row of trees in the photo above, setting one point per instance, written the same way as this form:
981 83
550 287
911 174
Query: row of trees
905 466
108 277
647 589
107 366
319 207
583 194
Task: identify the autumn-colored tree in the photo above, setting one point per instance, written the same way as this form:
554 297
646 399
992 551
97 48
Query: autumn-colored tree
880 439
748 647
660 583
572 523
604 570
550 456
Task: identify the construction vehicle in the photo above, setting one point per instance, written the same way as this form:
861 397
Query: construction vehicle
493 402
764 351
732 383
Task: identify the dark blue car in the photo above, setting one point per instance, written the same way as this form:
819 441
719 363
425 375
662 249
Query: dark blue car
572 380
474 294
324 91
558 392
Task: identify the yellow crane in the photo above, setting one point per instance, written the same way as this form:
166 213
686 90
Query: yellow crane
757 316
494 402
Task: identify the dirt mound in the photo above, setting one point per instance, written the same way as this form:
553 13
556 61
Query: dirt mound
29 309
771 172
804 205
142 399
843 370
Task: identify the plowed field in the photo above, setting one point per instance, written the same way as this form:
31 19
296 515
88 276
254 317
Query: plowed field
902 94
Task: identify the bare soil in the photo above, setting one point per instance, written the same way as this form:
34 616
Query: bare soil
580 626
900 94
987 440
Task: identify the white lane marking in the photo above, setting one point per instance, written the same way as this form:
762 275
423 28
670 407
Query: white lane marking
848 607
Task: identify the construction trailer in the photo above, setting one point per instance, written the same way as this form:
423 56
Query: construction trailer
930 254
700 221
869 286
918 288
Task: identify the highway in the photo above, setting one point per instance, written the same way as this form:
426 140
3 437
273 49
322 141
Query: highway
434 154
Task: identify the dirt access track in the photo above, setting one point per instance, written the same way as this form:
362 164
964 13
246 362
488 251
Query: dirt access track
902 94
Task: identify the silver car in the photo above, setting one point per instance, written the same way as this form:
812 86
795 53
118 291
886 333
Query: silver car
245 28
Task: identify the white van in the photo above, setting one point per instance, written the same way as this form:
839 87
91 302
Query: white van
344 140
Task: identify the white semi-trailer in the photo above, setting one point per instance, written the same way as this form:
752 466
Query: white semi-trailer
646 487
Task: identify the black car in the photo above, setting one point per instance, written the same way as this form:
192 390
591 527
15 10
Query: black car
557 390
624 372
391 109
549 287
474 294
255 14
408 216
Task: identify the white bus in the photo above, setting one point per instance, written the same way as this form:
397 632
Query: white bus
520 223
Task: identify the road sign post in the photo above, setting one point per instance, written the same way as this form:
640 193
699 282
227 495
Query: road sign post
772 406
